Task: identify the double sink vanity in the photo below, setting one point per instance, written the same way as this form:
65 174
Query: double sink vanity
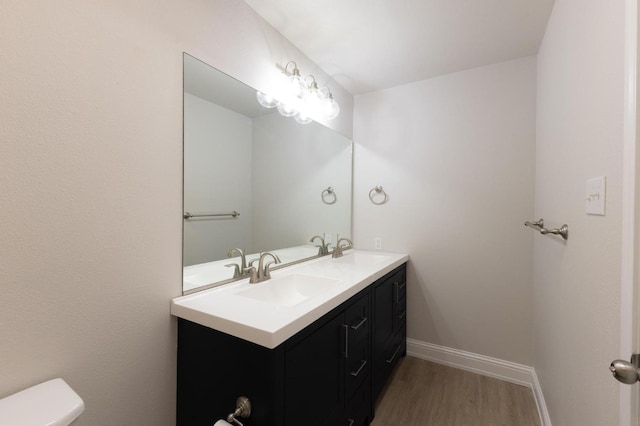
308 331
313 345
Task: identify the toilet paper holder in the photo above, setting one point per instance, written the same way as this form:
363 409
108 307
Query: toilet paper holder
243 409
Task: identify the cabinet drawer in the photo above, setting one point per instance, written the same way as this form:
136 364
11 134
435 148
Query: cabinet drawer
358 367
358 408
357 318
387 360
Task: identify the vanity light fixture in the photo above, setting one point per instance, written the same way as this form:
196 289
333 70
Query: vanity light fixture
301 98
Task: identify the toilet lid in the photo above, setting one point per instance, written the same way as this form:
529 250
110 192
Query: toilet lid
52 403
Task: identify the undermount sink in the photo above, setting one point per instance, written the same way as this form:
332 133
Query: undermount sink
289 290
361 258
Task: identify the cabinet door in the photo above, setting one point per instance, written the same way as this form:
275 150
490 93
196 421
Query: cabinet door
314 380
358 410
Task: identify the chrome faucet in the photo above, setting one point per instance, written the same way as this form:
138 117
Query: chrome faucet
337 251
263 273
322 248
239 271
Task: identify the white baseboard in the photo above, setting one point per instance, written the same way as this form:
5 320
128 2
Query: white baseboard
499 369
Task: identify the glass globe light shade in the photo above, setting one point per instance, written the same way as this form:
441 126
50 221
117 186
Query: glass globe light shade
266 100
302 119
313 100
286 110
296 85
330 108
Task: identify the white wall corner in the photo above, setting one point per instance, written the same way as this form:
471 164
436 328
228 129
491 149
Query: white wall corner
487 366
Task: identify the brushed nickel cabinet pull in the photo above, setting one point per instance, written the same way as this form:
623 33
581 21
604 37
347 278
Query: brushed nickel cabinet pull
389 361
346 341
360 324
355 373
398 288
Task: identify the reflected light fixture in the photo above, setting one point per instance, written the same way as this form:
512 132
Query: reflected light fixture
266 100
301 98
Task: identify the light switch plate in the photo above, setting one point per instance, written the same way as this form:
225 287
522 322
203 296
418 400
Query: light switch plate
596 196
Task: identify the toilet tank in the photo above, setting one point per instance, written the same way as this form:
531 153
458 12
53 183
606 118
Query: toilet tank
52 403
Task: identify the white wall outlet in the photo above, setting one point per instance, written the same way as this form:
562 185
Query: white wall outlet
328 238
378 243
596 196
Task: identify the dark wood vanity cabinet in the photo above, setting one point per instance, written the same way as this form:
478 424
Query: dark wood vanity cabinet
389 322
322 376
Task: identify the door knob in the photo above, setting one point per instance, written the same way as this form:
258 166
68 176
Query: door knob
626 372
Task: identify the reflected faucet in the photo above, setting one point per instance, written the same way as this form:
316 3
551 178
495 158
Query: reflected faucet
240 271
322 248
236 269
263 273
337 252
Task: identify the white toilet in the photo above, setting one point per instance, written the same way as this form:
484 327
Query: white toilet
52 403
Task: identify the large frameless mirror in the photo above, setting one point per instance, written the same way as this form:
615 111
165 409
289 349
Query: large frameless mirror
254 180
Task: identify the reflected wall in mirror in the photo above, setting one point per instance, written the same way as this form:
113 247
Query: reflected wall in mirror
241 157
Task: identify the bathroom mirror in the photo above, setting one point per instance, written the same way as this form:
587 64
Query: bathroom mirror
254 179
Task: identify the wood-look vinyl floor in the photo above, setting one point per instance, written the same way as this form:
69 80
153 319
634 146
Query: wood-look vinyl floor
420 393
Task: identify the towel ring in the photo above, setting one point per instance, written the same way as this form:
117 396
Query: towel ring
375 191
327 193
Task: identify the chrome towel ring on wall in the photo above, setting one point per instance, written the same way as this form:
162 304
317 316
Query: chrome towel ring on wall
375 193
329 196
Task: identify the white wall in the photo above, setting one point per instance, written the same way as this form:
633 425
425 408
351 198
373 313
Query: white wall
456 156
577 284
217 178
91 188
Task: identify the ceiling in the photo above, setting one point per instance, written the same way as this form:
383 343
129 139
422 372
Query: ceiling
376 44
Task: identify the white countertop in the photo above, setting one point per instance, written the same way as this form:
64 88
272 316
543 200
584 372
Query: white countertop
227 308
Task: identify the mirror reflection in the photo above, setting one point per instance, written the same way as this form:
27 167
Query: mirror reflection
255 180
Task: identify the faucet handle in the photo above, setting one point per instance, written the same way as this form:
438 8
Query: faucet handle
253 261
253 274
236 269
